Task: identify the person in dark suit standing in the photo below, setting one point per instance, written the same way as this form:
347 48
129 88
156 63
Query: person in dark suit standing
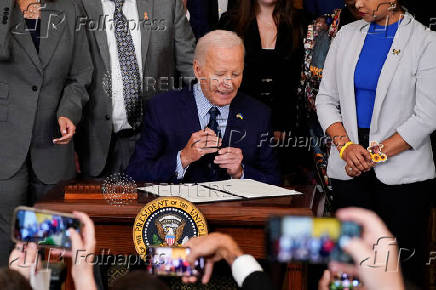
159 44
45 67
212 132
205 14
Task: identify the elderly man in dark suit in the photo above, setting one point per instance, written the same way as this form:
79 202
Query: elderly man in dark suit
139 47
212 132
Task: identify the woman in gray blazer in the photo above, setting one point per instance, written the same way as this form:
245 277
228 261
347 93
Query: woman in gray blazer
379 84
45 66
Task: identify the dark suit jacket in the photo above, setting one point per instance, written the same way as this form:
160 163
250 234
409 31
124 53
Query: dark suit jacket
167 47
284 68
38 88
204 15
257 281
170 120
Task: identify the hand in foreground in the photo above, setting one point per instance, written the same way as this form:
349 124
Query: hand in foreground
201 143
67 129
358 160
213 247
375 233
231 159
83 252
24 259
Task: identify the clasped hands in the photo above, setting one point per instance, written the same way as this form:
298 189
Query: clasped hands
358 160
206 142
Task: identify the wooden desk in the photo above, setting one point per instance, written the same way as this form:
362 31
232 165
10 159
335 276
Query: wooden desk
243 220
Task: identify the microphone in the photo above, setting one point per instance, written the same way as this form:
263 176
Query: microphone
378 7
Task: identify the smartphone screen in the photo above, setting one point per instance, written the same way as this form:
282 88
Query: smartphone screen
307 239
43 227
344 282
167 261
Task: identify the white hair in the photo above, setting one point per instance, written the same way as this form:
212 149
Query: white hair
216 38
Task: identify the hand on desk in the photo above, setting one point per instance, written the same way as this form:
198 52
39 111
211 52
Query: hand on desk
201 143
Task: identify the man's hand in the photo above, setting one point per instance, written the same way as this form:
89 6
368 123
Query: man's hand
24 259
201 143
83 250
67 129
231 159
375 233
213 247
358 160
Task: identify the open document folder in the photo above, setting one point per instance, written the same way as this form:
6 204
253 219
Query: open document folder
232 189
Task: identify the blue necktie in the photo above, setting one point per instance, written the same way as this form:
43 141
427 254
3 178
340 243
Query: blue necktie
213 123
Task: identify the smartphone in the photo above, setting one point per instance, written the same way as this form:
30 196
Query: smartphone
307 239
43 227
344 282
168 261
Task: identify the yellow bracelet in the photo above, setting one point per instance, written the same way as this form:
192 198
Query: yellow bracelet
345 147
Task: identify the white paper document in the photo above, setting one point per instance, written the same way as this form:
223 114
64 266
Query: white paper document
232 189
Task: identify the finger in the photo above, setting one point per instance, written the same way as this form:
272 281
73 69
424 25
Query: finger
76 241
229 150
356 162
359 250
88 230
324 283
209 131
64 139
62 126
366 218
336 267
31 253
60 253
208 269
362 160
189 279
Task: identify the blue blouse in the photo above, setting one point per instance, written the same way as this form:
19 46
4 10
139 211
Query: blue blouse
378 43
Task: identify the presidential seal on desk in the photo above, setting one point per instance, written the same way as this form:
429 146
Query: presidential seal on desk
167 222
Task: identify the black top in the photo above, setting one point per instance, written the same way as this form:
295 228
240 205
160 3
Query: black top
34 27
271 75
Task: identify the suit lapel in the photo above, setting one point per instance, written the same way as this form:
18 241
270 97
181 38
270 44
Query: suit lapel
349 101
234 131
145 13
189 113
393 59
23 37
53 22
94 10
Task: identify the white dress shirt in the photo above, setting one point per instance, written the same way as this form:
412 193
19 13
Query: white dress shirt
222 7
130 10
243 267
203 107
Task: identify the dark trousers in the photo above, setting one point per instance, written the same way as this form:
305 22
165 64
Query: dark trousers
121 150
24 188
404 208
